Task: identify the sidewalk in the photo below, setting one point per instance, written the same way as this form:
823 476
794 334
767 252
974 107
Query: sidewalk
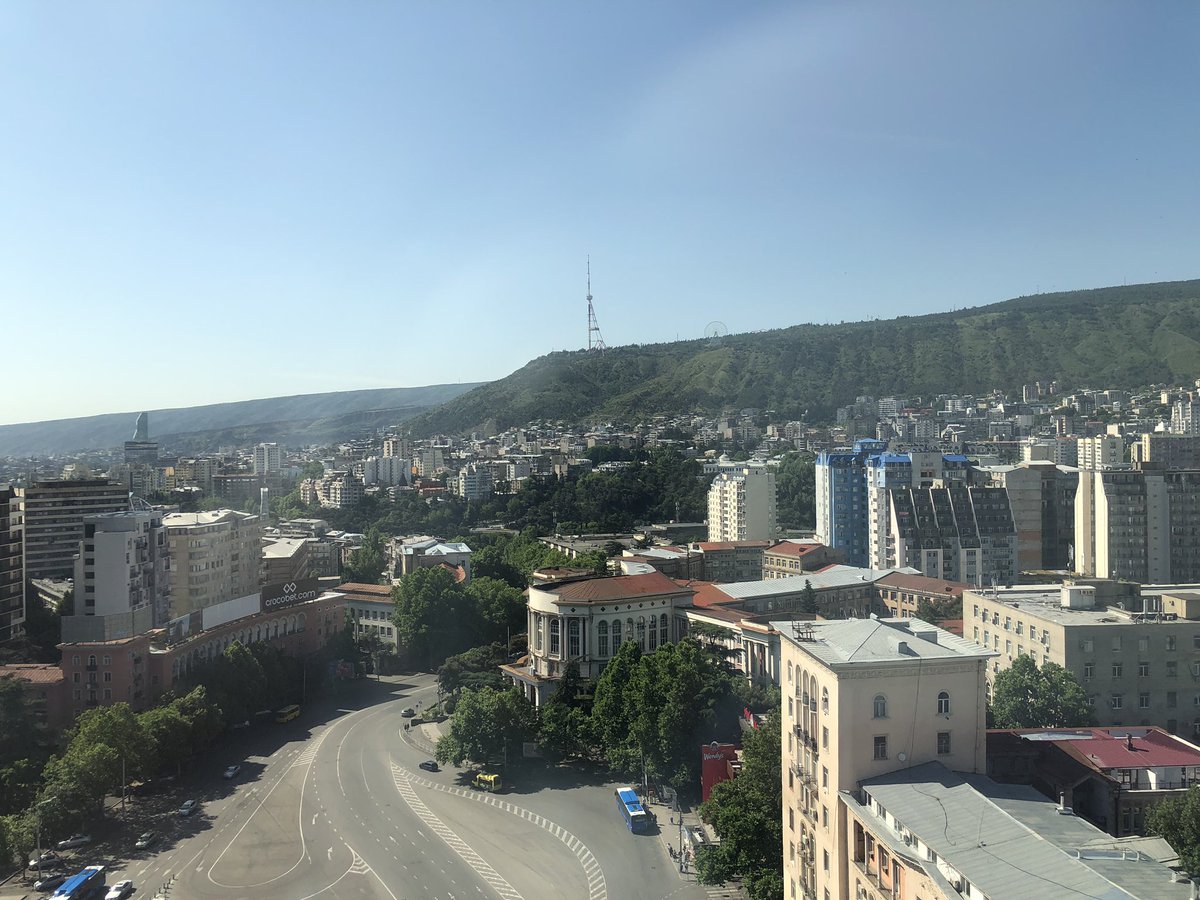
674 825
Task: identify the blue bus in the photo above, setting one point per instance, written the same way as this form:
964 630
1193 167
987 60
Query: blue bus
81 886
632 812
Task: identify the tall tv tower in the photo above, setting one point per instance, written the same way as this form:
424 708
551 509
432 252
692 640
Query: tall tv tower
595 340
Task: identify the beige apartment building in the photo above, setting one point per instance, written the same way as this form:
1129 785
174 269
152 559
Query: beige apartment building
742 505
866 697
1139 668
883 754
215 556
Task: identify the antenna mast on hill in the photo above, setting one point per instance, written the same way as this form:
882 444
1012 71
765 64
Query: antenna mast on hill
595 341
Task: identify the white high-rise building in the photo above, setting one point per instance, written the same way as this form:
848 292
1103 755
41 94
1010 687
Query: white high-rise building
122 564
742 505
474 482
386 470
267 459
1104 451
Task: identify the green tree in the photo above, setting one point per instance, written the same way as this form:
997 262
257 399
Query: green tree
171 734
366 563
499 606
486 726
935 611
1024 696
808 599
747 815
795 483
1177 820
475 668
613 708
434 618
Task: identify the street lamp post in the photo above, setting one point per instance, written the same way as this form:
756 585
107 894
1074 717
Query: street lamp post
38 833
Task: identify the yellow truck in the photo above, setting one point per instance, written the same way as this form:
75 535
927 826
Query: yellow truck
488 782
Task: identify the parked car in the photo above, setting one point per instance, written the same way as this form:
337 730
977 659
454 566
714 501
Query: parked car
238 725
146 841
429 765
120 890
49 858
49 883
231 771
189 807
78 840
408 712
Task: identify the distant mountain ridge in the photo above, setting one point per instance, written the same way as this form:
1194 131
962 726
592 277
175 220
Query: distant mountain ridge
302 418
1121 337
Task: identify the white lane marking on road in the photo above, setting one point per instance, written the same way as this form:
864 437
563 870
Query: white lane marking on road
329 853
456 843
597 886
314 821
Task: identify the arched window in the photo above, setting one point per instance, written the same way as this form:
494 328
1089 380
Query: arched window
789 671
943 704
300 622
92 661
662 629
641 633
554 637
616 634
629 635
602 639
653 636
879 707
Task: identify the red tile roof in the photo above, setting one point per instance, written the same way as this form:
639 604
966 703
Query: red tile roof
353 587
731 545
616 588
791 548
34 673
708 594
1108 748
903 582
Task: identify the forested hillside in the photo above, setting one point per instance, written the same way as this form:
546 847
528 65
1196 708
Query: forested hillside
1110 337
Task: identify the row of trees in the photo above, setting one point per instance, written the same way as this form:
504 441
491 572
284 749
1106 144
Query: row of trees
105 745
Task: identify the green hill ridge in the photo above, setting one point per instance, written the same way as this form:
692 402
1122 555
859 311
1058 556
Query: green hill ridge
1120 337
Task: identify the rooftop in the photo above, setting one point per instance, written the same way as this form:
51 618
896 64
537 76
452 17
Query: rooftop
841 642
710 546
904 581
34 673
283 548
1045 601
795 548
616 588
212 517
1118 748
829 577
1010 841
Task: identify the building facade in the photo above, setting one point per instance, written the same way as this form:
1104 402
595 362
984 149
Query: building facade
53 514
742 505
215 556
122 565
12 569
863 698
585 620
793 557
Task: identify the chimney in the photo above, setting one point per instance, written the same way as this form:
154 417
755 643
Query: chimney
1062 801
1129 742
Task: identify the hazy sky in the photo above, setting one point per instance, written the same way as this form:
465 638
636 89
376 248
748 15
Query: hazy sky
206 201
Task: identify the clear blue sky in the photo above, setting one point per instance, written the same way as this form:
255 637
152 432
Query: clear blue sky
210 201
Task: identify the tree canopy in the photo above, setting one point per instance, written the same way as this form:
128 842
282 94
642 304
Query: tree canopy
747 815
1024 696
1177 820
487 725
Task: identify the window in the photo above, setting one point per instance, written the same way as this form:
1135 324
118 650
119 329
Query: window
76 677
791 818
108 676
602 639
108 693
74 660
616 634
1020 627
789 671
641 633
1172 699
1117 670
881 747
879 708
653 636
995 618
1089 669
663 631
824 738
1116 643
554 637
1033 632
92 662
824 776
1144 700
1117 701
1144 644
1170 642
1196 641
943 743
108 660
1008 648
1007 623
825 857
1087 646
1172 669
1143 670
943 704
573 638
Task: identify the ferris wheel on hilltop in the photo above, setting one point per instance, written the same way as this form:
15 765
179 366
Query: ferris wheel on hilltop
714 331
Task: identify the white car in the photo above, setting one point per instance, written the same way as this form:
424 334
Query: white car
231 771
189 807
78 840
120 890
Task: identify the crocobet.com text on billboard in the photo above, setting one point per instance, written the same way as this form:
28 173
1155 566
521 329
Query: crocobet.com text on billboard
289 593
